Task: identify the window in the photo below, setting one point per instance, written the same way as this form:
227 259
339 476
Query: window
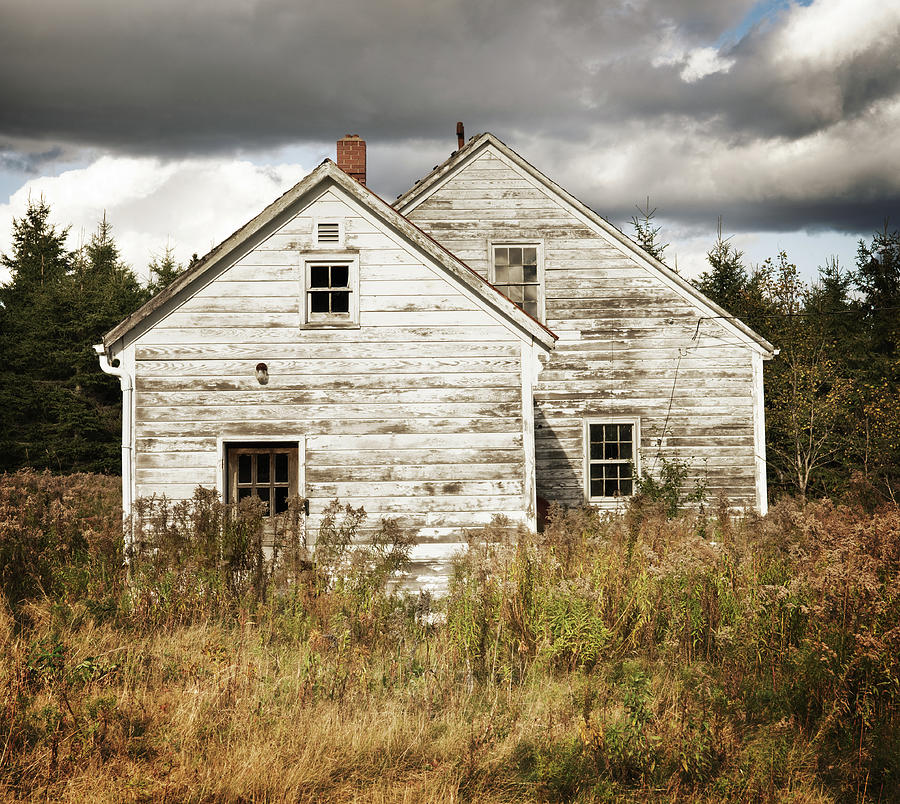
611 457
331 292
517 272
267 471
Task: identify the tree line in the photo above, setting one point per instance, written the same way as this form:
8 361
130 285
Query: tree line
58 411
832 392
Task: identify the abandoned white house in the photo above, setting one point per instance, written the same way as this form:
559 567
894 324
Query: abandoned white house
486 341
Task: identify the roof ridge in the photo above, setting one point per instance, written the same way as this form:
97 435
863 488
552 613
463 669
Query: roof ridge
457 157
327 169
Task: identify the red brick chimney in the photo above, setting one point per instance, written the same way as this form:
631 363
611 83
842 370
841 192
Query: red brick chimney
351 157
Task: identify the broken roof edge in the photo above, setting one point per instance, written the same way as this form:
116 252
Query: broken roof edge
429 183
372 201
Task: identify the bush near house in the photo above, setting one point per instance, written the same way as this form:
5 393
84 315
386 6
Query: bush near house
642 658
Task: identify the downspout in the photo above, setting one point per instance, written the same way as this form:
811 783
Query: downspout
125 382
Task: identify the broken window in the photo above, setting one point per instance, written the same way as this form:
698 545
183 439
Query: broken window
611 458
267 471
331 293
517 274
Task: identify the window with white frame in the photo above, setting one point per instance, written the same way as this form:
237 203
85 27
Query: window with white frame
611 455
517 272
331 291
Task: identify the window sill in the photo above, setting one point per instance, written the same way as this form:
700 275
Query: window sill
334 324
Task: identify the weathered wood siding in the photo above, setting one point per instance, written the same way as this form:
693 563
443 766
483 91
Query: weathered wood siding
630 345
417 414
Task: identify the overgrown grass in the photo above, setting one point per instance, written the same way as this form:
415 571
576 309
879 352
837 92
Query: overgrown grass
700 658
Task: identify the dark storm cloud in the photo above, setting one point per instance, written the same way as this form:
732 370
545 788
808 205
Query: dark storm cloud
557 80
193 76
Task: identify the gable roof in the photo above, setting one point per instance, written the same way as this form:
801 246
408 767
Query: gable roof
273 216
481 142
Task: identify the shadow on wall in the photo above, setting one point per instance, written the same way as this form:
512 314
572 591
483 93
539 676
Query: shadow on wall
558 470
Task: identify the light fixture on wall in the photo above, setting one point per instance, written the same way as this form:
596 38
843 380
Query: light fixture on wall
262 373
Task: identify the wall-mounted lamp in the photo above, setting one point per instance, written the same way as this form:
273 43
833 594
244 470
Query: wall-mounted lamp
262 373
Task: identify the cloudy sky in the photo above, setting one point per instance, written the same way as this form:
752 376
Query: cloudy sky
183 119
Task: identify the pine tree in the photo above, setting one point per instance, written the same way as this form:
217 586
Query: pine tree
164 270
57 409
645 233
726 282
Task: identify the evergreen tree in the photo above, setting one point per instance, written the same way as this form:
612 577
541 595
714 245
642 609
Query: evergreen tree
645 233
57 409
877 279
726 282
164 270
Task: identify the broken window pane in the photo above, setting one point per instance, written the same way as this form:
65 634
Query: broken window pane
318 276
318 302
340 276
340 301
262 468
281 467
245 472
281 497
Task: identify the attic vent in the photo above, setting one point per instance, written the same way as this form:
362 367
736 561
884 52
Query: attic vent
328 233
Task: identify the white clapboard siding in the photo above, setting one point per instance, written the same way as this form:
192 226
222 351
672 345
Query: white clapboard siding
417 414
631 334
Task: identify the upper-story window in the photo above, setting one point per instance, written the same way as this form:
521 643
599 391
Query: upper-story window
331 291
517 271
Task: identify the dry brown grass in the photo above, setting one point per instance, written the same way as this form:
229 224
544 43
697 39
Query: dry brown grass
702 658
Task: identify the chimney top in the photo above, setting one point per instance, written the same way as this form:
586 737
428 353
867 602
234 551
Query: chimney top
351 157
460 135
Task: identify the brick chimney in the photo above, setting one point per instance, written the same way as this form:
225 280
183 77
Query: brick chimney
351 157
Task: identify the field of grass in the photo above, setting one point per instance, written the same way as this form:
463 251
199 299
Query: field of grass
699 658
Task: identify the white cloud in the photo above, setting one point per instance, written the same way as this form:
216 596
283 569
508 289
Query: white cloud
830 32
704 61
190 204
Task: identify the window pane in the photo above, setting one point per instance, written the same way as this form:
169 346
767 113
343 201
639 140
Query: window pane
244 492
625 486
610 432
262 468
263 495
516 294
318 302
281 467
340 276
625 451
501 275
611 451
531 293
281 495
610 487
340 302
244 469
529 255
530 273
515 256
501 257
515 274
318 276
596 488
531 309
625 432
